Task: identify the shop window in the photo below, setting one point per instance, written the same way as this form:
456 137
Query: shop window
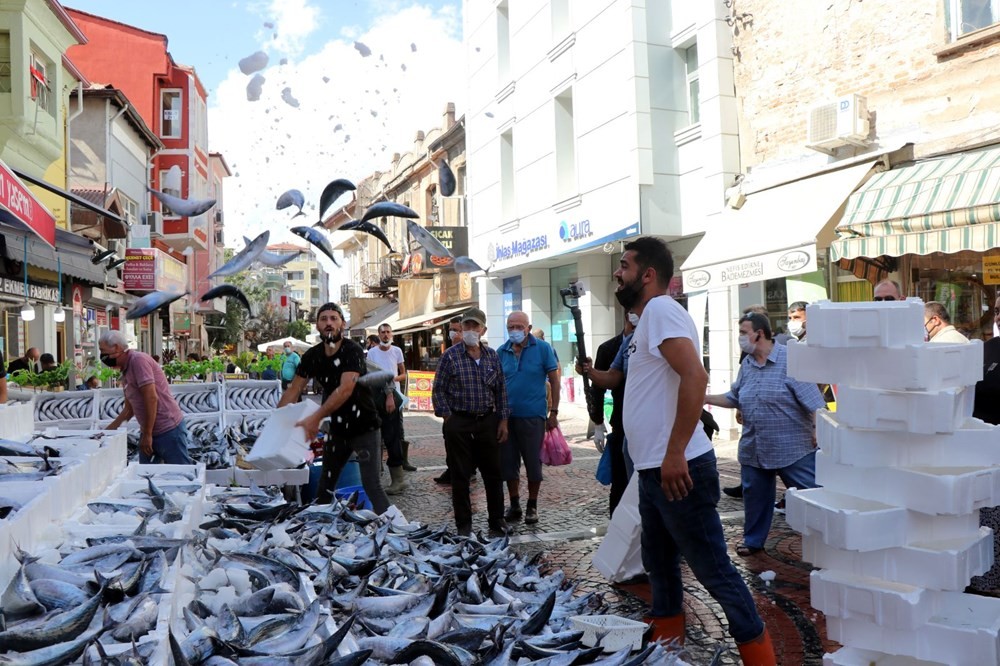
956 281
966 16
170 114
565 146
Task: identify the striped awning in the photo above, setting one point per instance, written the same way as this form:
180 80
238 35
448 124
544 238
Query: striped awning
942 205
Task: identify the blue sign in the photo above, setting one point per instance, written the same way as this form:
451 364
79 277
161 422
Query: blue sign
518 248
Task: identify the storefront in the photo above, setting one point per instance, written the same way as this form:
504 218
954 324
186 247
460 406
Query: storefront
934 226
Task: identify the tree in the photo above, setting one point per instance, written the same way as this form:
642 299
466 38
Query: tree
298 329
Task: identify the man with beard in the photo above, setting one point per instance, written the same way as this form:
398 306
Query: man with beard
336 363
678 479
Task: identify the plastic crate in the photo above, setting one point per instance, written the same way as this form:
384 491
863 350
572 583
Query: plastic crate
347 491
612 632
198 398
65 406
251 395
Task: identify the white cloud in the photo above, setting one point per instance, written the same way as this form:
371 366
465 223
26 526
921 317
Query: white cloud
293 20
274 147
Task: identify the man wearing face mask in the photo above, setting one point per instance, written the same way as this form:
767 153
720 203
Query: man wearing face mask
779 428
163 437
470 394
336 363
389 357
528 363
937 325
290 360
454 338
797 320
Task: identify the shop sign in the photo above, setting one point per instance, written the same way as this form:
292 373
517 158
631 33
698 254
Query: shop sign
36 292
98 294
576 231
182 323
452 289
770 266
77 300
455 239
522 247
19 200
139 273
419 384
991 270
230 376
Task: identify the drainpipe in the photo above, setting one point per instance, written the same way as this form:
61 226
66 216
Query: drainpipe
69 149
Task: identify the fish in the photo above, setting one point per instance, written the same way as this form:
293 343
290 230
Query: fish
388 209
152 302
228 291
59 628
275 260
18 598
317 239
427 241
376 379
446 179
243 259
291 198
140 621
183 207
56 594
368 228
60 652
333 191
467 265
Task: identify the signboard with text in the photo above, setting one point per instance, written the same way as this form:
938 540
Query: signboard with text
23 205
36 292
139 273
418 389
452 289
991 270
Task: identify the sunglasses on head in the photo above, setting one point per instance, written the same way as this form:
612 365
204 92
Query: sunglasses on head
884 298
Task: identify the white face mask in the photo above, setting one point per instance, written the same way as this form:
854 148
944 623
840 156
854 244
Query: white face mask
796 328
455 336
746 346
386 345
633 318
470 338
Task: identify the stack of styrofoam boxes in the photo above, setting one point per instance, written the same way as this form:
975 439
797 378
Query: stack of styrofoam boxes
904 470
68 410
17 420
619 556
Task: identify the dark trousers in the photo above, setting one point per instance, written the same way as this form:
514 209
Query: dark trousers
336 455
619 475
470 443
392 437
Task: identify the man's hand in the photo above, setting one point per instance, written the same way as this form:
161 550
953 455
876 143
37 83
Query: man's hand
585 367
146 444
600 435
390 403
311 425
502 431
674 478
552 421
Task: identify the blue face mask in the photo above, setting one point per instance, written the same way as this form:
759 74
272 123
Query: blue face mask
517 337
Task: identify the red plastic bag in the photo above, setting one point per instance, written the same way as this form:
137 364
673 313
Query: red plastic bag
555 450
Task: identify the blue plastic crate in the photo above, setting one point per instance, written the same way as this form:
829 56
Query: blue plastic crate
344 493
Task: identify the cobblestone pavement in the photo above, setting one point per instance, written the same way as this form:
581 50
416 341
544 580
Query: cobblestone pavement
573 516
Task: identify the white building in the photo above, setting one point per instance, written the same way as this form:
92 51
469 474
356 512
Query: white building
591 122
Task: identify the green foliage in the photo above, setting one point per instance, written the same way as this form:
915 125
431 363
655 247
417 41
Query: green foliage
263 363
56 377
298 329
189 369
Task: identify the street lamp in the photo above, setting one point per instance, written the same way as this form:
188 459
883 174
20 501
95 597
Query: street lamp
28 312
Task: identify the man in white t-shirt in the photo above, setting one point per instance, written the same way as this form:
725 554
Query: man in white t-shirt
389 357
678 479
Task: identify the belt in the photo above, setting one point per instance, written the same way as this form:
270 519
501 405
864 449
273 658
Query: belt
473 415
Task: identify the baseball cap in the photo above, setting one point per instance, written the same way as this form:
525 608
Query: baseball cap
330 306
476 315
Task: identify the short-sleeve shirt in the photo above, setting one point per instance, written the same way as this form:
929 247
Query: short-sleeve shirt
357 415
652 386
527 376
138 370
621 358
289 365
777 412
387 359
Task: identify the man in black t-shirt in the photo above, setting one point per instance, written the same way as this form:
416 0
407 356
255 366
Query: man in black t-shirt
335 364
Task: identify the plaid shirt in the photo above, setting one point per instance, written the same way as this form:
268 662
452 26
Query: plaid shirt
777 412
461 384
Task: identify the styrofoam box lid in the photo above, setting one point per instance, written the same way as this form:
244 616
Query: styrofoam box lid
882 324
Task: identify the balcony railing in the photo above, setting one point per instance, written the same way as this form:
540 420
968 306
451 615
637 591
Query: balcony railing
380 276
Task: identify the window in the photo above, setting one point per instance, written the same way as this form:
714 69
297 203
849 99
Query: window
507 200
298 294
431 205
169 184
693 87
560 19
130 209
170 115
5 62
294 275
200 123
565 146
503 42
965 16
41 83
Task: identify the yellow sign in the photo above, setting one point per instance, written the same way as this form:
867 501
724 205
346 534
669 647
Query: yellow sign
419 384
991 270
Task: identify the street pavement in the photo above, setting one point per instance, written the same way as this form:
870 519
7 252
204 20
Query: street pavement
573 517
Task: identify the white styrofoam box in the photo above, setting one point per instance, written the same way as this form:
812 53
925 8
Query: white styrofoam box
926 367
65 406
896 605
280 444
858 325
136 471
965 631
110 403
251 394
904 411
619 557
930 490
849 656
845 521
17 420
610 631
973 445
946 564
198 398
235 476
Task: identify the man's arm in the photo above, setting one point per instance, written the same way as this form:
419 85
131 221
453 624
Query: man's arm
439 394
553 420
150 399
683 358
720 400
340 395
125 415
294 391
605 354
3 390
606 379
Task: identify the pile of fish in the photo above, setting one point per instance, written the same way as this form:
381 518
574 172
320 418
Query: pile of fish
206 443
250 398
55 407
198 401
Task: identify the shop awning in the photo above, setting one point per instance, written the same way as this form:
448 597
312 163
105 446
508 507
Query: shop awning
72 253
387 313
940 205
426 321
775 233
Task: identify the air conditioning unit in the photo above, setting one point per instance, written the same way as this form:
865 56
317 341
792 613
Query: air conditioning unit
118 246
843 122
154 219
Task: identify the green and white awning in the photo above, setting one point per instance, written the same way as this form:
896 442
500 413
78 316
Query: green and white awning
942 205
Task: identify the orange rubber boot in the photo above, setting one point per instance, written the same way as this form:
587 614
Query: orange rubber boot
758 652
669 629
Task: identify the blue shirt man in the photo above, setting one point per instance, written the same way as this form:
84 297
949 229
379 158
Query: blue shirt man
527 364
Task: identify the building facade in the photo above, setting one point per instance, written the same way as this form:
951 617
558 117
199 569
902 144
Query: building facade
306 281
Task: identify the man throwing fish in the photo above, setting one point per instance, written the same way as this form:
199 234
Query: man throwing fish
336 363
163 438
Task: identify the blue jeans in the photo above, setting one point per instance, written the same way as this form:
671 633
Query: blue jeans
690 528
169 448
758 494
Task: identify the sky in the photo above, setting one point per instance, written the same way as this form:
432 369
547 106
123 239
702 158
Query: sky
347 84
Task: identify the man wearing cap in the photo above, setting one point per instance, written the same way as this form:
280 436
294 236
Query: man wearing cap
336 363
470 394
